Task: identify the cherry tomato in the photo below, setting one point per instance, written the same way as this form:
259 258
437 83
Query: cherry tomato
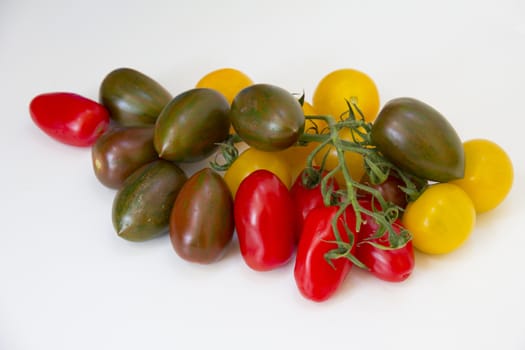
488 174
263 212
228 81
251 160
69 118
315 278
393 265
307 197
343 85
441 219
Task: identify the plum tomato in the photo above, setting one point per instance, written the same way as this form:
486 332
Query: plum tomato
263 212
201 220
306 195
488 174
418 139
315 277
267 117
390 189
69 118
392 265
121 151
441 219
133 98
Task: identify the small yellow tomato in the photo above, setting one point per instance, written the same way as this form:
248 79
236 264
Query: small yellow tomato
488 174
343 85
253 159
228 81
441 219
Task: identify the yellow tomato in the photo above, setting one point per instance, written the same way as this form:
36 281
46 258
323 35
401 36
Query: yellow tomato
488 174
227 81
354 161
251 160
337 87
441 219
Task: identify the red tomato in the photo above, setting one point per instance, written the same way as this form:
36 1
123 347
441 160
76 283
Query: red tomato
316 279
393 265
69 118
263 210
306 198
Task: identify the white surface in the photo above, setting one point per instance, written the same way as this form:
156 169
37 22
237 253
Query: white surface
67 281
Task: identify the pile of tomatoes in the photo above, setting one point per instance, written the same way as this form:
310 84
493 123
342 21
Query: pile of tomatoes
327 185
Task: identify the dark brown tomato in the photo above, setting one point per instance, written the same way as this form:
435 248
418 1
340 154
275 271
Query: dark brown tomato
267 117
390 189
132 98
419 140
191 125
201 221
142 207
121 151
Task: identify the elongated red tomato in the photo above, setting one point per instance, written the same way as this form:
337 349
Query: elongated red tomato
307 197
69 118
263 212
393 265
315 278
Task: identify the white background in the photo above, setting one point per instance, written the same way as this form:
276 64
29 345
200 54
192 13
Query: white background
68 282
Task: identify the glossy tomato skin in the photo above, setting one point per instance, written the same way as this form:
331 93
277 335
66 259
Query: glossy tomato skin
418 139
263 212
132 98
314 277
69 118
190 126
201 221
121 151
306 197
392 265
390 189
267 117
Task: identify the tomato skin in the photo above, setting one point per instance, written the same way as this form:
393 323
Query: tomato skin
488 174
418 139
305 199
263 213
314 277
392 265
390 189
201 220
441 219
253 159
267 117
69 118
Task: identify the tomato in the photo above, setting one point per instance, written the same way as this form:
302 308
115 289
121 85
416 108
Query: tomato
390 189
263 212
441 219
307 196
488 174
267 117
336 88
121 151
392 265
419 140
201 220
315 278
142 206
251 160
228 81
353 160
69 118
190 126
133 98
